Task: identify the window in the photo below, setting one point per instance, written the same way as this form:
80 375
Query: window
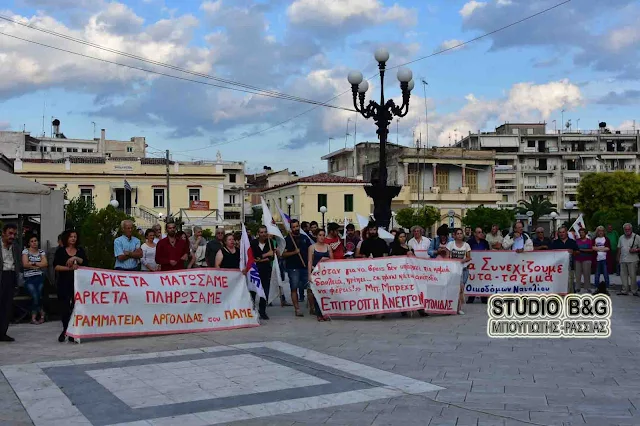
232 199
129 149
194 194
348 202
231 215
86 194
531 144
515 132
87 149
72 149
232 178
56 149
542 180
529 131
505 198
442 179
158 197
43 149
280 202
471 180
531 180
542 164
322 200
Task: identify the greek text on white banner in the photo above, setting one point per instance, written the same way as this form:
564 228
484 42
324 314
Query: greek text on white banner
390 284
496 272
121 303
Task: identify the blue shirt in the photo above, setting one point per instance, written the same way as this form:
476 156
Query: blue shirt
475 245
122 244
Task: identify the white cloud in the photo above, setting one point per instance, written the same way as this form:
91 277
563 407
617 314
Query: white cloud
450 44
468 9
523 102
211 6
621 38
335 13
504 2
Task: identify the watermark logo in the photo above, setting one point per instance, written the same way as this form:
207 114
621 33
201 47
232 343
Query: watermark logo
582 316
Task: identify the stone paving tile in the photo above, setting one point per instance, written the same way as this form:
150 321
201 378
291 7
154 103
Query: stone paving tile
553 381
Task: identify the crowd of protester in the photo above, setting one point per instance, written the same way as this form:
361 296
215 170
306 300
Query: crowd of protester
606 251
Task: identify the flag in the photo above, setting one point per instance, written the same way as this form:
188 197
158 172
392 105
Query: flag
247 259
286 220
276 281
127 186
382 233
578 224
272 229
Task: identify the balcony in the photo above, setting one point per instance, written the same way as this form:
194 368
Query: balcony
541 187
507 205
232 207
502 187
462 194
536 169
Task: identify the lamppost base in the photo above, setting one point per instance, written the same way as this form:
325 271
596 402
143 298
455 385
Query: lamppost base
382 196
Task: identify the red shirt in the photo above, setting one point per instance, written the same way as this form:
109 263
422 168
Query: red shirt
165 252
337 246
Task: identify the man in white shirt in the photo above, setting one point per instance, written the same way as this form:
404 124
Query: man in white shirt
494 238
628 249
419 242
518 240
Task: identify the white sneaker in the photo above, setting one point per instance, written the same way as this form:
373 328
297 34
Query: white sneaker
460 312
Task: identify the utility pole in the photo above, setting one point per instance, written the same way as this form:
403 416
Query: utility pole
168 186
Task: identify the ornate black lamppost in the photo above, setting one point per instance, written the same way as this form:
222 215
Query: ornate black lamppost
382 114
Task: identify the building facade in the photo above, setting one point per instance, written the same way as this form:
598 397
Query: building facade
259 182
207 193
529 160
195 191
448 179
343 198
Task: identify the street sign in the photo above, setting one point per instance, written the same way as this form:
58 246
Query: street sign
451 213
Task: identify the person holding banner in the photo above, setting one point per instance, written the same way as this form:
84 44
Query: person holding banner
148 259
68 259
478 243
351 240
399 247
172 252
263 255
563 242
494 238
295 255
373 246
419 241
459 249
583 261
319 251
438 248
126 249
229 256
334 241
518 240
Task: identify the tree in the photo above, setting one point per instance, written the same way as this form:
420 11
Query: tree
98 232
539 205
486 217
608 198
207 234
425 216
77 211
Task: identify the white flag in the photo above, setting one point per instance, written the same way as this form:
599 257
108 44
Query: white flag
276 282
382 233
578 224
272 229
254 283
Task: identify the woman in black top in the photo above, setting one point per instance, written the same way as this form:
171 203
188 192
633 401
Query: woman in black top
399 246
229 256
67 259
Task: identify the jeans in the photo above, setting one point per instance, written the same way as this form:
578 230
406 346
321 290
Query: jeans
298 279
601 268
34 286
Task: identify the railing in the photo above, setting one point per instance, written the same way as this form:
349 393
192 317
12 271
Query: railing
505 205
141 212
542 187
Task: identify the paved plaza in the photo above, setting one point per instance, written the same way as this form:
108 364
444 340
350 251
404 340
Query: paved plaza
295 371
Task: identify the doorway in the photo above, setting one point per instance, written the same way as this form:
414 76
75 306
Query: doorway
122 195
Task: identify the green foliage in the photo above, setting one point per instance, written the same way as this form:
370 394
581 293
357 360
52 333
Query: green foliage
486 217
425 216
609 198
77 211
207 234
98 232
539 205
257 214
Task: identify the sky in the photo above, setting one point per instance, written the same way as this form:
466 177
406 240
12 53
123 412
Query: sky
582 57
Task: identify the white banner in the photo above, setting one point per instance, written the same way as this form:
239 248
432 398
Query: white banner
390 284
496 272
121 303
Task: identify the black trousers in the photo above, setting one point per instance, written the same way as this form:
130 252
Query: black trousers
265 278
7 287
66 301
